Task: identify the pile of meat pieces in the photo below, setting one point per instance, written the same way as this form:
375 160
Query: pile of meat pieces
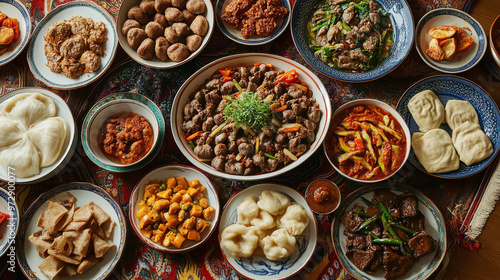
367 256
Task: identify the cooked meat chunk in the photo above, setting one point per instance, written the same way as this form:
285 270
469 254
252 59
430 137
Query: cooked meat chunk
409 205
91 61
421 244
348 14
351 221
387 197
395 265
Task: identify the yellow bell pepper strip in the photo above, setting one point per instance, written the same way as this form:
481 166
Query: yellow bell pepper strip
368 145
219 129
391 131
379 131
342 132
347 156
343 145
363 162
373 172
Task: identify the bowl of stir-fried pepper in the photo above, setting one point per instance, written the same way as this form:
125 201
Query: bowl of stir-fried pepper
353 40
368 141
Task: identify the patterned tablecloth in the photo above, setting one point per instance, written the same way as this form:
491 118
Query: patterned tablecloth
141 262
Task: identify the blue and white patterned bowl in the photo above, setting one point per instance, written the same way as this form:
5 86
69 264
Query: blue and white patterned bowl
235 34
110 106
17 10
162 174
36 54
259 267
446 88
434 226
9 227
26 253
402 21
463 60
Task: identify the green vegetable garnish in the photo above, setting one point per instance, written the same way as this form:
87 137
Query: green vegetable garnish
175 231
162 187
249 110
196 202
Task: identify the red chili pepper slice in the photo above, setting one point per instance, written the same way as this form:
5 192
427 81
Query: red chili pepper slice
226 72
227 79
358 143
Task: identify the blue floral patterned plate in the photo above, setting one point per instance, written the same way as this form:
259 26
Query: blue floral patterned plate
259 267
401 18
463 60
235 34
8 229
446 88
434 226
27 255
16 9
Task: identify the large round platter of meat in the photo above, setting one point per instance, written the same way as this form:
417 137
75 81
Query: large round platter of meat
250 116
382 232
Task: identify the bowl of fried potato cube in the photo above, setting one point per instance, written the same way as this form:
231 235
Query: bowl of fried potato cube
174 208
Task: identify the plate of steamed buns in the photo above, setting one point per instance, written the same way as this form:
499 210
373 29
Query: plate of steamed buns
267 231
454 125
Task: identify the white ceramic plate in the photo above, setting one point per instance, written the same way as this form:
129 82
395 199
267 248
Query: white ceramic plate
9 227
155 62
235 34
434 226
27 255
463 60
162 174
260 267
198 79
36 54
17 10
69 147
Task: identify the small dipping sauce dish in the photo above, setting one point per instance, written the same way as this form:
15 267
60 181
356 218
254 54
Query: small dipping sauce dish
323 196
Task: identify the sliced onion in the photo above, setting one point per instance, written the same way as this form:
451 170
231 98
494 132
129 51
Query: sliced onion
289 154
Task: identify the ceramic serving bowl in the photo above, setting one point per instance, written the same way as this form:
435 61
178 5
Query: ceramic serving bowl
69 145
16 9
26 253
434 226
495 40
162 174
156 62
259 267
36 55
463 60
114 106
192 84
235 34
448 87
402 21
328 144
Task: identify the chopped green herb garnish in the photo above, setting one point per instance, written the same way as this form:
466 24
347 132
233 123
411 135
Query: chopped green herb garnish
249 110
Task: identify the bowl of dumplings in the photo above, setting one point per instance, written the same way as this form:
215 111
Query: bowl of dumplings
37 135
454 125
267 231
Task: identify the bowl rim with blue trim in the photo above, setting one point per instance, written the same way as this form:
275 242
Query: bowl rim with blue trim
401 18
25 28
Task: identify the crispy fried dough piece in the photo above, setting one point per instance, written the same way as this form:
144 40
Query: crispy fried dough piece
41 245
52 215
51 266
100 246
87 263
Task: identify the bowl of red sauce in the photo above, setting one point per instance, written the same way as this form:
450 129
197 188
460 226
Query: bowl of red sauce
122 134
367 141
323 196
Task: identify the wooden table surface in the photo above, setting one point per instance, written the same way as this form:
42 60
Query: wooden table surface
485 264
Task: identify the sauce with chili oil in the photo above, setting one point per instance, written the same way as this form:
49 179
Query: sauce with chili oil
126 138
367 143
322 196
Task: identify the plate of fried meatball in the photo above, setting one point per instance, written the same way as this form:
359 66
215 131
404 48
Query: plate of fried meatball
164 33
73 45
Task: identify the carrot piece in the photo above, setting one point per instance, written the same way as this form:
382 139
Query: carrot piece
226 72
282 108
194 135
227 79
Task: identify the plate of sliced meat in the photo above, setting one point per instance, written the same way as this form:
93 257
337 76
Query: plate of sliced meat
383 232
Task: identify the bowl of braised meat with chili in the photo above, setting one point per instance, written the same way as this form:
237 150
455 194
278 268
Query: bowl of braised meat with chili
382 232
121 133
368 141
250 116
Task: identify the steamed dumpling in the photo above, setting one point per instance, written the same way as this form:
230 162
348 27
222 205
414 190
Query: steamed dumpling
273 202
28 108
295 220
10 131
247 210
22 156
48 137
471 143
458 112
434 149
427 110
280 244
263 221
239 240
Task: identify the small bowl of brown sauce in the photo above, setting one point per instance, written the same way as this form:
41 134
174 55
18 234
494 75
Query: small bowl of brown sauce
123 134
323 196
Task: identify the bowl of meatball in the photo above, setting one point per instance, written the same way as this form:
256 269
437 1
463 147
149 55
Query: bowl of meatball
123 132
250 116
164 34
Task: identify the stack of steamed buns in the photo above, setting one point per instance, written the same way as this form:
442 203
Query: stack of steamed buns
433 146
